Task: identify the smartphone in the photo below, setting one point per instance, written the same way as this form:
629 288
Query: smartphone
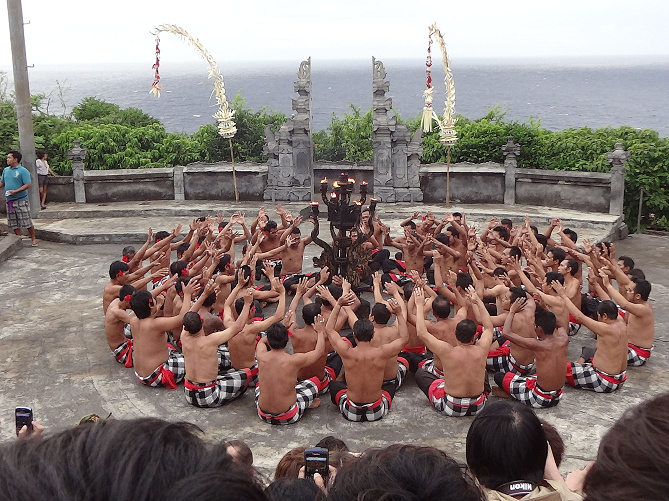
316 460
24 417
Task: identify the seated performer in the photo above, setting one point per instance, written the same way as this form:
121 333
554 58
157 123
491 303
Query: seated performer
155 362
278 399
461 391
543 389
640 318
365 396
604 369
204 387
119 276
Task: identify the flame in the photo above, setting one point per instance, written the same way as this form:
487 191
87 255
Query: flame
324 180
333 195
335 184
357 202
315 204
351 180
364 183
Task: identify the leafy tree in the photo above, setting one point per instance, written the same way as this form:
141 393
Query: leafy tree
348 138
95 111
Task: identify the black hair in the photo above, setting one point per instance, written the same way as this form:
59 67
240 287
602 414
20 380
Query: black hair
464 280
627 261
404 472
407 290
332 444
161 235
554 276
558 254
410 224
231 484
192 322
363 330
210 300
295 231
141 303
546 320
381 313
116 268
181 248
543 240
465 331
270 225
441 307
16 154
642 287
295 489
608 308
636 274
457 214
126 290
454 233
277 336
503 232
514 251
40 154
516 292
573 266
507 222
177 267
222 263
336 291
499 271
180 284
443 238
506 443
128 250
309 313
573 236
534 229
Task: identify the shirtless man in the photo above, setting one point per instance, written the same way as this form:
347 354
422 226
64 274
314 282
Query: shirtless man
443 329
543 389
278 399
291 252
640 318
548 296
606 371
204 386
461 391
242 346
365 396
156 364
117 319
510 357
396 366
457 236
412 253
118 273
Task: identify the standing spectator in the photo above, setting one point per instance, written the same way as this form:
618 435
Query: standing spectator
16 181
43 171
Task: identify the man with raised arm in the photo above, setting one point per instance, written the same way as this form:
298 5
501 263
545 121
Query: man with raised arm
543 389
604 369
119 276
278 399
155 362
639 318
204 386
365 396
461 391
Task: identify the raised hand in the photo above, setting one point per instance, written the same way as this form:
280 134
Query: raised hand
518 305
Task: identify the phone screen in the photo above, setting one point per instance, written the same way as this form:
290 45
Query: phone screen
316 460
24 417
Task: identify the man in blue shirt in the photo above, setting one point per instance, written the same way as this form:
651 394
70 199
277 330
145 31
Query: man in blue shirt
16 181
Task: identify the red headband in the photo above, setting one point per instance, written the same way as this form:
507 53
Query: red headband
150 301
127 298
120 273
184 271
125 259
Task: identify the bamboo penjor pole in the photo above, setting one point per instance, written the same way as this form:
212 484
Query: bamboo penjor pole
447 133
224 115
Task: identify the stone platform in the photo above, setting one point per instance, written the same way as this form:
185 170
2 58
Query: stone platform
55 358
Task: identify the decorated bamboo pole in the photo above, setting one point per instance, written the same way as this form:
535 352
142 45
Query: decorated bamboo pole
447 133
224 115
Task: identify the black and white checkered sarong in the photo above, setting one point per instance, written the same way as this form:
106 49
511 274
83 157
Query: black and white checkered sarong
527 391
501 360
636 355
227 387
305 393
587 377
454 406
402 369
175 364
364 412
224 360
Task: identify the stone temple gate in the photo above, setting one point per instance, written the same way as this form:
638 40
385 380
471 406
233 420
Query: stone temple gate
290 150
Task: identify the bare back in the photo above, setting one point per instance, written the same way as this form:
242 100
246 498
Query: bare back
365 366
115 320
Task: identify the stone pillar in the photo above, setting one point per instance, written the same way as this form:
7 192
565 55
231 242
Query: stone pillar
77 154
400 141
618 158
414 152
511 151
178 175
290 151
382 128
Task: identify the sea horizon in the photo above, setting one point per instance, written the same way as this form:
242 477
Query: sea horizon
559 92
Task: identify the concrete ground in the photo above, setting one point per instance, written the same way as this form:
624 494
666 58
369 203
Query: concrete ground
55 359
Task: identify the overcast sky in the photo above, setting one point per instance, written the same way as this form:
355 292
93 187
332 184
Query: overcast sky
93 31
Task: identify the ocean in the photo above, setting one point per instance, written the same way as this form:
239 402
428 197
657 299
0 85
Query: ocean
559 93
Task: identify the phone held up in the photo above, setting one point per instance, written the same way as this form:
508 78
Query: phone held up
316 460
24 417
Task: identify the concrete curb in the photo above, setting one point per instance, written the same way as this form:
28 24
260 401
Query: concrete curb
9 245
